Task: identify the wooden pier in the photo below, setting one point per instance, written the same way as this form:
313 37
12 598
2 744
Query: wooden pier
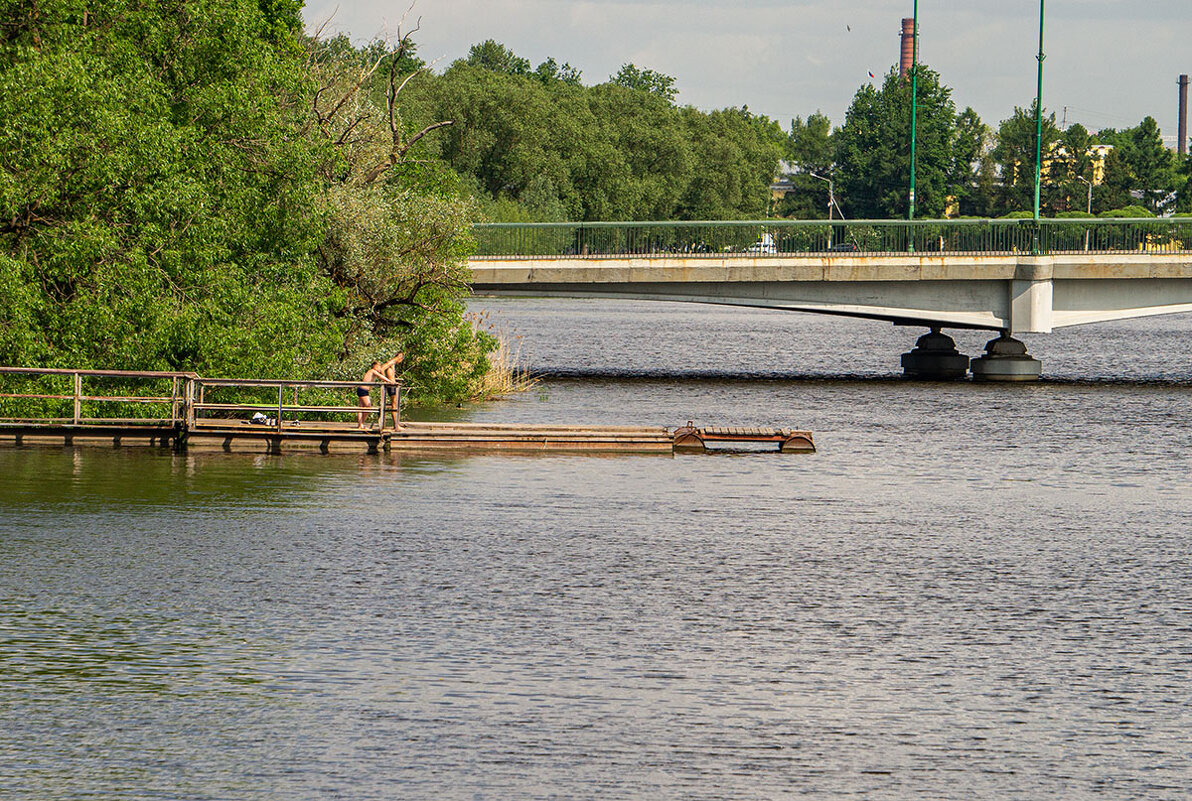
184 411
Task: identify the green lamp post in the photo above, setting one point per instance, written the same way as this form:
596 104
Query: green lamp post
1038 135
914 113
914 103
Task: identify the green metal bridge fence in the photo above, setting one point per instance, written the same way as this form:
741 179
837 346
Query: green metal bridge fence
765 238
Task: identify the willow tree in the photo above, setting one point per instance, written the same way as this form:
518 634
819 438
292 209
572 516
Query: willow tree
397 232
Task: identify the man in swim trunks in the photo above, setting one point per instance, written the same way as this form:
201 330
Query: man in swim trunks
389 369
387 374
375 372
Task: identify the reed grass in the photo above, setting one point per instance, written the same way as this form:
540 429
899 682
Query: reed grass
506 372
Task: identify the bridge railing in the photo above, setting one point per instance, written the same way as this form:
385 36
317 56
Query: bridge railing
767 238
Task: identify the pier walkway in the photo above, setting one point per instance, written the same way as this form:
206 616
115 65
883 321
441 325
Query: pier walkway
184 411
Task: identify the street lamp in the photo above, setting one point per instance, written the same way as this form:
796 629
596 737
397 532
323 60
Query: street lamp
1090 209
831 203
831 194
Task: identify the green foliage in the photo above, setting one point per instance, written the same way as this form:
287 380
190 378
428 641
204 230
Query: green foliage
1184 182
550 70
158 201
873 148
649 81
1153 165
494 56
169 201
1129 212
810 143
809 149
736 155
1015 156
397 229
971 180
541 148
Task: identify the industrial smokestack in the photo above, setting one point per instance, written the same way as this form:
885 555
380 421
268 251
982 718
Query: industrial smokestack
908 46
1183 143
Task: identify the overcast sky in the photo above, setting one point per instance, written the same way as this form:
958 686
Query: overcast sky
1110 62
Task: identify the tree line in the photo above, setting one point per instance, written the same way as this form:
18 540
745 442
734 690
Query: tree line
536 143
964 166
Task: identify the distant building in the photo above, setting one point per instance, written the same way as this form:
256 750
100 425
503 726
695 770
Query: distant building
781 188
1096 153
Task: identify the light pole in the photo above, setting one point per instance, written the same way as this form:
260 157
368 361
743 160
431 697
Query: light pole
1039 119
831 194
831 203
1090 208
914 104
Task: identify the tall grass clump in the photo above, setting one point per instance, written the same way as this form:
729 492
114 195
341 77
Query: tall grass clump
506 372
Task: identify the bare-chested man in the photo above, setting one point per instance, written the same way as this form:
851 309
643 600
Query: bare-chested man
386 373
389 368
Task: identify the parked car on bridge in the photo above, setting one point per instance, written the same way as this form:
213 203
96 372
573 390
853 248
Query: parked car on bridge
765 245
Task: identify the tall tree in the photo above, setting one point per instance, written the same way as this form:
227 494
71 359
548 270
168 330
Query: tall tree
397 231
970 181
1071 161
810 151
737 154
1153 165
873 148
1015 158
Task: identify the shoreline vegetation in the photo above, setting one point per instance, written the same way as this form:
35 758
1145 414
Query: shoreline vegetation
207 188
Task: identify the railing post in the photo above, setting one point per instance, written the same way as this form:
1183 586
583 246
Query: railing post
78 398
188 403
381 421
281 399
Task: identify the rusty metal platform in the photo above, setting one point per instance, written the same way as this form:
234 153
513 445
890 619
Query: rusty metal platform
784 440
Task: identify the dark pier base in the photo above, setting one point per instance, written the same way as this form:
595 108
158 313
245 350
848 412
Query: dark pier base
1006 359
935 358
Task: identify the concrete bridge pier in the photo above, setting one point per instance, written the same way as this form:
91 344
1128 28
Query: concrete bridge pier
1006 359
935 358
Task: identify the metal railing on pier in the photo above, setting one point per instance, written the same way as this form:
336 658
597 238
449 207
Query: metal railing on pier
284 405
147 399
92 397
772 238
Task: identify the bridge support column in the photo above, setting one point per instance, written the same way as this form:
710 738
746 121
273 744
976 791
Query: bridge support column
1006 359
935 358
1032 295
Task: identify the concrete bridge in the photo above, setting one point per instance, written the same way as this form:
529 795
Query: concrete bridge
1108 271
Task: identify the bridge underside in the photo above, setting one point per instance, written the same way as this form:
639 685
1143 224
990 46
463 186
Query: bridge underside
983 305
1007 293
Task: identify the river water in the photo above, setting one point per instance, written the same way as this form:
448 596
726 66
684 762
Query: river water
969 592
